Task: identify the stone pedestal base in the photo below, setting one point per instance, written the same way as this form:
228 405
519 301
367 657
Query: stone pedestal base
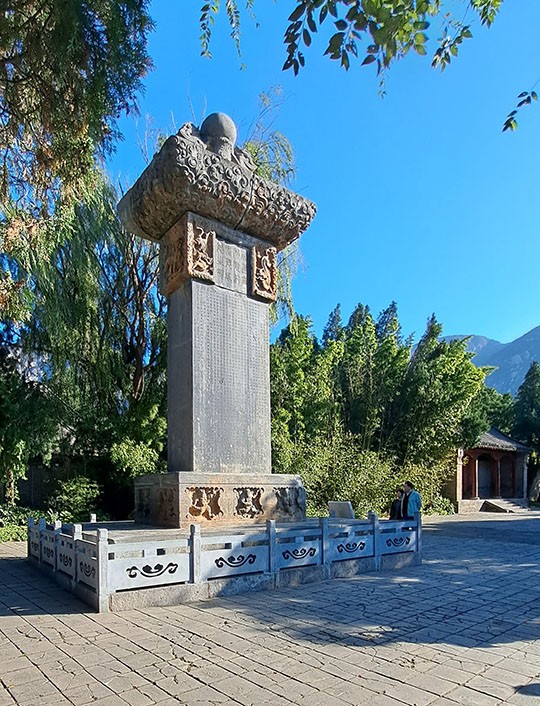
180 499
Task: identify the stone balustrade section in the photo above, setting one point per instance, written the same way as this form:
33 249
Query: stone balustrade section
109 575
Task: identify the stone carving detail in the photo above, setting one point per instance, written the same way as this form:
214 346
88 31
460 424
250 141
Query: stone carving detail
248 502
201 253
48 552
187 250
232 561
167 505
186 175
300 553
143 502
289 502
89 570
264 272
149 572
351 547
398 542
65 559
204 503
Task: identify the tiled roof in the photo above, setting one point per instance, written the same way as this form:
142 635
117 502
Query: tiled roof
495 439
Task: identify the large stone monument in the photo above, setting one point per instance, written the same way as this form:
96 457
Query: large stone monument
219 226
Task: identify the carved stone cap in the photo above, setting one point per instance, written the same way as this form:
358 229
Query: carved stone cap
190 173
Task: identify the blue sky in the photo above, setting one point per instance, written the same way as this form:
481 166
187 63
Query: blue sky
421 198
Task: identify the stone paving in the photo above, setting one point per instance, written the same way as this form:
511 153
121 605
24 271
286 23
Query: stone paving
464 628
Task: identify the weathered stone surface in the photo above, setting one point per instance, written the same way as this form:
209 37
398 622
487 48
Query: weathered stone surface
218 360
220 227
186 175
179 499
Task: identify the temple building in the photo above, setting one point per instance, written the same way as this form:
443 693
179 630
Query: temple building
491 476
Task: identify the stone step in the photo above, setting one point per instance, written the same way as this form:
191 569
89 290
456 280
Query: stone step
513 505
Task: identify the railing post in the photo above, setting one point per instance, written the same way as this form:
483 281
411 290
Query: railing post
76 533
418 557
29 531
373 518
102 560
57 528
325 541
271 534
93 517
42 525
195 531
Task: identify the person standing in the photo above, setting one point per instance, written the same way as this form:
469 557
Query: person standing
412 502
396 511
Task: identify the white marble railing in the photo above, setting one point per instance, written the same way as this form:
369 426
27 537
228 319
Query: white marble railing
95 566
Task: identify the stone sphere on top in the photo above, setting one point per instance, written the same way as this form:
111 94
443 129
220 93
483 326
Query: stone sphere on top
219 133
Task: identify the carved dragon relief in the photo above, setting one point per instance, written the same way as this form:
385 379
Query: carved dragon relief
263 272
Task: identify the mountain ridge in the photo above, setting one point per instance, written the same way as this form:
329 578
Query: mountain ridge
512 360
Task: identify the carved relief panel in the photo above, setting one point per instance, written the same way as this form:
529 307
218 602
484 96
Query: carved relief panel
248 502
186 251
264 272
205 503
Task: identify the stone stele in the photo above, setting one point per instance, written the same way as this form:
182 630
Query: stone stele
220 227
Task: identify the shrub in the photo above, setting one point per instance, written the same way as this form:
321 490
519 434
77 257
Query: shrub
75 499
336 470
440 506
12 533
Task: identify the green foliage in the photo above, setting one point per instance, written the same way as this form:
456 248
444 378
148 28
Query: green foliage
97 339
75 499
527 422
339 469
525 98
527 409
379 32
439 384
135 458
25 426
14 515
13 533
363 412
488 409
67 71
440 506
14 521
98 320
430 479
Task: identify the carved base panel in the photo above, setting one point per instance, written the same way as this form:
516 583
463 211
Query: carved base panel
180 499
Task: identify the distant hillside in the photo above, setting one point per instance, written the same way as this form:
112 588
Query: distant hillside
512 360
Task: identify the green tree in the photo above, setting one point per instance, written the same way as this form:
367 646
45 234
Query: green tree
379 32
97 325
527 424
438 387
67 71
26 428
333 330
527 409
488 409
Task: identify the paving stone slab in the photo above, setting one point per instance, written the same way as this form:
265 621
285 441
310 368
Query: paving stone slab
468 635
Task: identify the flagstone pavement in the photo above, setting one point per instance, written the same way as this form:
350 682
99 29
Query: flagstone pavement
464 628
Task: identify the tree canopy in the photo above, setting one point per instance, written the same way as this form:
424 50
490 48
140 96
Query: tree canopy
68 69
376 31
357 411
